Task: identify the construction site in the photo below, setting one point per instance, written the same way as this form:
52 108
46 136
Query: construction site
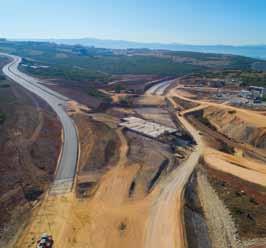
173 165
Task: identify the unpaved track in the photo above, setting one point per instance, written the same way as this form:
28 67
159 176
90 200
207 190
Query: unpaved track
240 167
250 174
165 227
247 115
221 226
237 161
91 222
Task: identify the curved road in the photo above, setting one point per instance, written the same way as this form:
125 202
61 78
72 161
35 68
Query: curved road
159 89
165 227
66 168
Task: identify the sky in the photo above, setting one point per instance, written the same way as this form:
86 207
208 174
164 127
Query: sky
235 22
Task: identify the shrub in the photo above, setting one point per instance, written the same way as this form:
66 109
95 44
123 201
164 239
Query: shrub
33 193
2 117
122 226
4 85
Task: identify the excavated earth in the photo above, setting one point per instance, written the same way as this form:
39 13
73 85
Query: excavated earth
246 203
30 140
232 124
99 151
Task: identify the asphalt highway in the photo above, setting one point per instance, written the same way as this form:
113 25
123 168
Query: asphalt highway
159 89
66 168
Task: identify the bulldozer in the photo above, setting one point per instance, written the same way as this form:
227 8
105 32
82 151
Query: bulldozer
45 241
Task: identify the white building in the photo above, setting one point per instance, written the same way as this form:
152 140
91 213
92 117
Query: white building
245 94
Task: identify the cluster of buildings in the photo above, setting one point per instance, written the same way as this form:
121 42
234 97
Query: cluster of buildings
253 92
213 83
36 66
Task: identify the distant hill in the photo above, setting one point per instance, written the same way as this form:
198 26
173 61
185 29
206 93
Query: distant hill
254 51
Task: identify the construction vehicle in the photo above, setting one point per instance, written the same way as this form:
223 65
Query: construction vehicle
46 241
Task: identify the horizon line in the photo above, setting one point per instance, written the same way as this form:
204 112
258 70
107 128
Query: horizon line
137 42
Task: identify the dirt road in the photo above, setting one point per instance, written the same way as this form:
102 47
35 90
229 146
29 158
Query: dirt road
247 170
243 168
247 115
165 226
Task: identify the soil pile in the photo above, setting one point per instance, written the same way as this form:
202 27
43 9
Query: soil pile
231 124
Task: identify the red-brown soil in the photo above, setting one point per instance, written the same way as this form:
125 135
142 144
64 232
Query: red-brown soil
30 140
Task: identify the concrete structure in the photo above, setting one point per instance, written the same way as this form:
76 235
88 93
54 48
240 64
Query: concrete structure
160 88
147 128
245 94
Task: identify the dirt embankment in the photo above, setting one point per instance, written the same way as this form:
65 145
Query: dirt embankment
195 222
209 222
99 151
246 202
155 160
221 226
183 104
30 140
233 125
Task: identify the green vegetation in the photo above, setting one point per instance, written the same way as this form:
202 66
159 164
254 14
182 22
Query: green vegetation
92 91
96 93
76 67
2 77
78 63
126 101
246 77
253 78
2 117
33 193
4 85
118 88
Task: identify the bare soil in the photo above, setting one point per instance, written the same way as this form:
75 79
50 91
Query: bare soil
222 229
232 124
222 141
155 159
30 140
183 104
195 222
158 115
246 202
78 95
99 151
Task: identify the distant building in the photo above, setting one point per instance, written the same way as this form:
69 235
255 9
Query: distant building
245 94
257 91
216 83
